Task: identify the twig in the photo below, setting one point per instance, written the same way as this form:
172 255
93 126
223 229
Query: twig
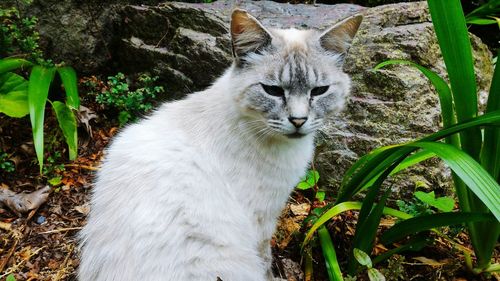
61 271
61 230
86 167
9 254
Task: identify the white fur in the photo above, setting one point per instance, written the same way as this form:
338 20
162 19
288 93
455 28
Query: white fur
190 194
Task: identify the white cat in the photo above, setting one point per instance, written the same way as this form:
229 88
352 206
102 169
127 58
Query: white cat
194 191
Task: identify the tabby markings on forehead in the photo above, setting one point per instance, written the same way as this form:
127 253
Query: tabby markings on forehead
296 74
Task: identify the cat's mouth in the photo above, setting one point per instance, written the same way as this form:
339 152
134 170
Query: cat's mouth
295 135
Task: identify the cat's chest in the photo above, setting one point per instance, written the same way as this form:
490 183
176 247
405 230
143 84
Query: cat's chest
263 180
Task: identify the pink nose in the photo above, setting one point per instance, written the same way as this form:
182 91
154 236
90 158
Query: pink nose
297 122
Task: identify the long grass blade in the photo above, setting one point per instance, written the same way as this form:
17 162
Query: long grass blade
38 90
332 264
427 222
386 156
368 222
344 207
472 173
67 123
443 91
410 161
451 30
69 80
490 154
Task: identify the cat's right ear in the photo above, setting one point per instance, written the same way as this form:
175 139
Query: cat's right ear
247 34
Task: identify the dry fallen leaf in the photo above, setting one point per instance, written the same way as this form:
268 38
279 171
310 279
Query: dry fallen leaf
300 209
286 228
83 209
428 261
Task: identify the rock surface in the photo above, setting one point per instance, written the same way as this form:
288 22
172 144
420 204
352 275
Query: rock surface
188 46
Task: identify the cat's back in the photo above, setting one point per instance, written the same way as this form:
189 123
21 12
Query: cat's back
152 189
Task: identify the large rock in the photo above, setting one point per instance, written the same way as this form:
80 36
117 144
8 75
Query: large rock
188 46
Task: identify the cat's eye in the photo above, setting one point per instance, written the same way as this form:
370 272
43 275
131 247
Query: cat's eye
273 90
319 90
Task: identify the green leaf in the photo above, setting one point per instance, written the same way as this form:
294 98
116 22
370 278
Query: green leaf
375 275
453 37
10 277
343 207
442 89
38 90
12 82
411 160
490 154
491 7
69 80
9 64
67 123
474 175
481 21
362 258
368 222
55 181
373 164
444 204
426 222
309 180
332 265
320 195
13 95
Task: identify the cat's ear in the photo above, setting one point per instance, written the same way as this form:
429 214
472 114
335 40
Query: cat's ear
247 34
338 38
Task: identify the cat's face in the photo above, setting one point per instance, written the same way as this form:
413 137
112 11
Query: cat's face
292 78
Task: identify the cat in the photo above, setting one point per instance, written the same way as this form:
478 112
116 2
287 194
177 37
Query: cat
193 192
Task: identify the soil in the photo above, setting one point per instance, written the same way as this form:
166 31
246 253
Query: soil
42 244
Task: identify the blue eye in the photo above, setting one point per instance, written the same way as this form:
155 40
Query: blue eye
319 90
273 90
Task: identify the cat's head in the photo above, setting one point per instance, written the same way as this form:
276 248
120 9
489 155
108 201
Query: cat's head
290 79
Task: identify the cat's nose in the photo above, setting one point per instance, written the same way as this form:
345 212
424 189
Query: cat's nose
297 121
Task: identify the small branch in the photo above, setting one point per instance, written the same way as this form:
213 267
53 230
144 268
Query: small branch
86 167
23 202
61 230
62 269
9 254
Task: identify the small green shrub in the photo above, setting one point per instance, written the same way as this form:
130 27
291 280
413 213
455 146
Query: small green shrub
130 102
19 95
18 35
5 164
365 260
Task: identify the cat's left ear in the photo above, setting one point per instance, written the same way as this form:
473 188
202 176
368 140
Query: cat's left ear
338 38
248 35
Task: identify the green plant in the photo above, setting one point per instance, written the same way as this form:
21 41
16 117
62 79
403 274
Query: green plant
364 260
469 144
485 14
10 277
5 163
20 97
18 35
423 203
129 102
